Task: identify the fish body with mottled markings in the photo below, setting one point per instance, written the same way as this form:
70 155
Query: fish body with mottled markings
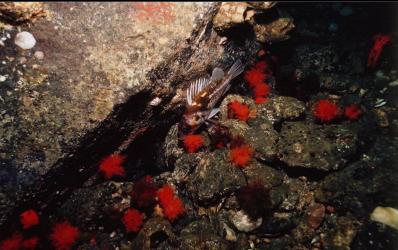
203 94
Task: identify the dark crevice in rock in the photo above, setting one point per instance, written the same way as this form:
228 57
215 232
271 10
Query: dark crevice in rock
266 16
158 238
295 172
239 34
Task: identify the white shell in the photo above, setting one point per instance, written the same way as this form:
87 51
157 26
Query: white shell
25 40
380 103
243 223
385 215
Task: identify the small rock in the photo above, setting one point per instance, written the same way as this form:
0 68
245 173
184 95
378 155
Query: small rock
281 107
342 234
39 55
229 15
146 238
315 215
278 224
263 138
309 145
23 60
2 78
184 166
25 40
382 118
214 177
230 235
362 92
243 223
268 176
277 30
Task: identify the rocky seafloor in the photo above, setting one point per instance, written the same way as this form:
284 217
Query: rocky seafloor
316 183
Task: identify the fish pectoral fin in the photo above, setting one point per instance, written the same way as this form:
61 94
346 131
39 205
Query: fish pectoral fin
195 88
213 112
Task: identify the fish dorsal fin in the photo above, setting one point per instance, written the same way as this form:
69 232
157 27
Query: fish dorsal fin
195 88
217 74
235 70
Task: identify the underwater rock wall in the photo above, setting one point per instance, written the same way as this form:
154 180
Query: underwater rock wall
88 57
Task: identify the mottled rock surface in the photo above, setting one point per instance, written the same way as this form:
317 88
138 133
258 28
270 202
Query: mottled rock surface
315 146
276 30
104 202
214 177
365 182
280 108
202 235
23 12
260 172
154 232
